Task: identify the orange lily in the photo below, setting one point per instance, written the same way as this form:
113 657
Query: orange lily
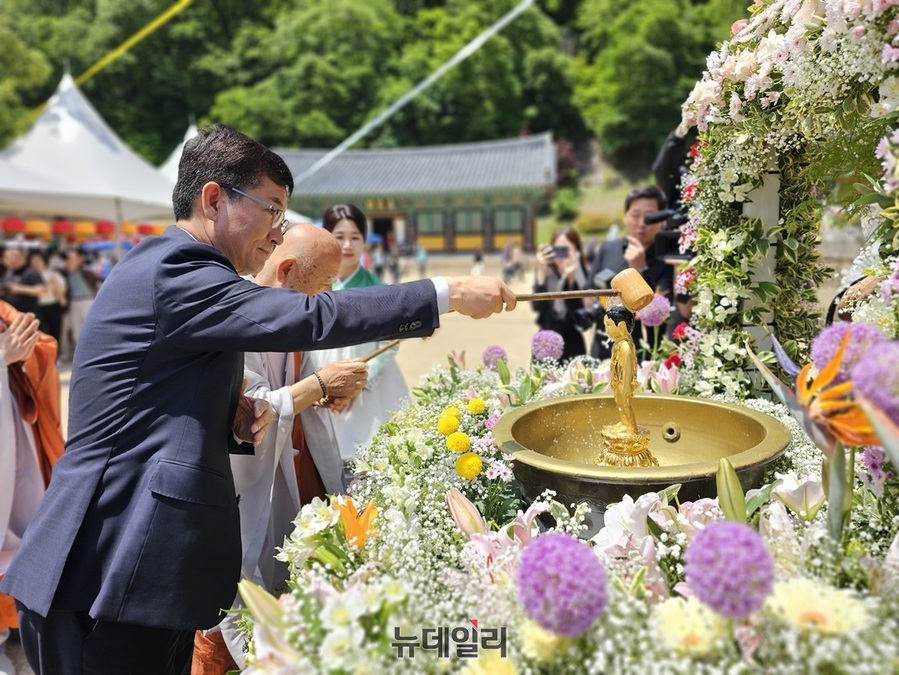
357 526
833 408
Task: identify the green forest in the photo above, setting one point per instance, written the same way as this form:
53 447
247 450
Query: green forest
308 73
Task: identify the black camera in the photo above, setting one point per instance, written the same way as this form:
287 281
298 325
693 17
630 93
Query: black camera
585 317
673 218
667 240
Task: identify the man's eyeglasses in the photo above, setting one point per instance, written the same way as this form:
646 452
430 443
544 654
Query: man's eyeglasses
279 222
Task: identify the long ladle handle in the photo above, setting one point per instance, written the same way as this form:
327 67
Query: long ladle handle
563 295
380 350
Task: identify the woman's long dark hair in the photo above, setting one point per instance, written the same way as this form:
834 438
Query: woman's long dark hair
334 214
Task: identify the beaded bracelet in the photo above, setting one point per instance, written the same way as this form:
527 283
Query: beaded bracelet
321 383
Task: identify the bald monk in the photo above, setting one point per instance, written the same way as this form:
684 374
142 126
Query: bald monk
281 476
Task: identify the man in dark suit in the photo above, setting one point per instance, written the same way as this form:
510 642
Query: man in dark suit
137 543
636 250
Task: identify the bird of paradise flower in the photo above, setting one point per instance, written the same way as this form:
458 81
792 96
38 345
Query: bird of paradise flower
833 417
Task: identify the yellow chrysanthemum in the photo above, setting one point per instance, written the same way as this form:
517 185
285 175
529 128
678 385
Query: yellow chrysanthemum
476 406
688 626
539 644
469 465
452 411
458 441
489 662
814 606
447 425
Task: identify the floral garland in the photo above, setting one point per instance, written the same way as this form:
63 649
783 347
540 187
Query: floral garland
806 88
440 546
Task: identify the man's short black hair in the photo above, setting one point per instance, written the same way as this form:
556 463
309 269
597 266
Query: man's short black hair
225 156
646 192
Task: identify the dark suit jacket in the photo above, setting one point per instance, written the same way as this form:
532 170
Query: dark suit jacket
140 522
659 275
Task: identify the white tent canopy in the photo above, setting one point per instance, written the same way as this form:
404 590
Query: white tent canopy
21 190
74 152
169 169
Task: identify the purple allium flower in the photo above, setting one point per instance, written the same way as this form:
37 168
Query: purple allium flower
876 375
826 345
656 312
547 344
729 568
561 584
492 354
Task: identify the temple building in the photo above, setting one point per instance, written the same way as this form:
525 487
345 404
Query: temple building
459 197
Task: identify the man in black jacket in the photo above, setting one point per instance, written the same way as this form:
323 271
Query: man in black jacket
636 250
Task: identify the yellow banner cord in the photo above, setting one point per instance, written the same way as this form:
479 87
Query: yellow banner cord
133 40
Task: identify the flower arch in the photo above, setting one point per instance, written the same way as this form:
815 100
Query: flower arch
804 94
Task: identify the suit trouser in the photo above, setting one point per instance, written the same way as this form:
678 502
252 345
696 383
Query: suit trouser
72 643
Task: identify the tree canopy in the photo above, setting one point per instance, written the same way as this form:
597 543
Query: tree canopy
308 73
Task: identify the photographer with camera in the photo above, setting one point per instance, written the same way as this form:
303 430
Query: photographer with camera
560 267
637 250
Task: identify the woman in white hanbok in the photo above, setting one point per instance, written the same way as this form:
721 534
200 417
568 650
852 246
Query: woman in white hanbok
355 426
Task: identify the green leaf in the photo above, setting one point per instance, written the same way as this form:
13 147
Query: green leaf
524 391
654 528
669 493
730 492
638 584
503 371
759 498
870 198
836 493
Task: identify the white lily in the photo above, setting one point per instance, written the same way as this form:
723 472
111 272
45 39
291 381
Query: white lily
803 498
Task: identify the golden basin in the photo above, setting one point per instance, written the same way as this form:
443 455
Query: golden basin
555 443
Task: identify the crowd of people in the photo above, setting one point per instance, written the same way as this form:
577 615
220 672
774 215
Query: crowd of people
58 287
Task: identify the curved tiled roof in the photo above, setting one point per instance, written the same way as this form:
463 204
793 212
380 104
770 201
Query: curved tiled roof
517 162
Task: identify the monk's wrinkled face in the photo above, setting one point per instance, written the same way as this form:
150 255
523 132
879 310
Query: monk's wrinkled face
318 274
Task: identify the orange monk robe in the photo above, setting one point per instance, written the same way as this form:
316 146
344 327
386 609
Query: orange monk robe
36 383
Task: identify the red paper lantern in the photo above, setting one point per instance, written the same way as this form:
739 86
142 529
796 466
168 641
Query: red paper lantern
62 226
105 227
146 229
13 225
